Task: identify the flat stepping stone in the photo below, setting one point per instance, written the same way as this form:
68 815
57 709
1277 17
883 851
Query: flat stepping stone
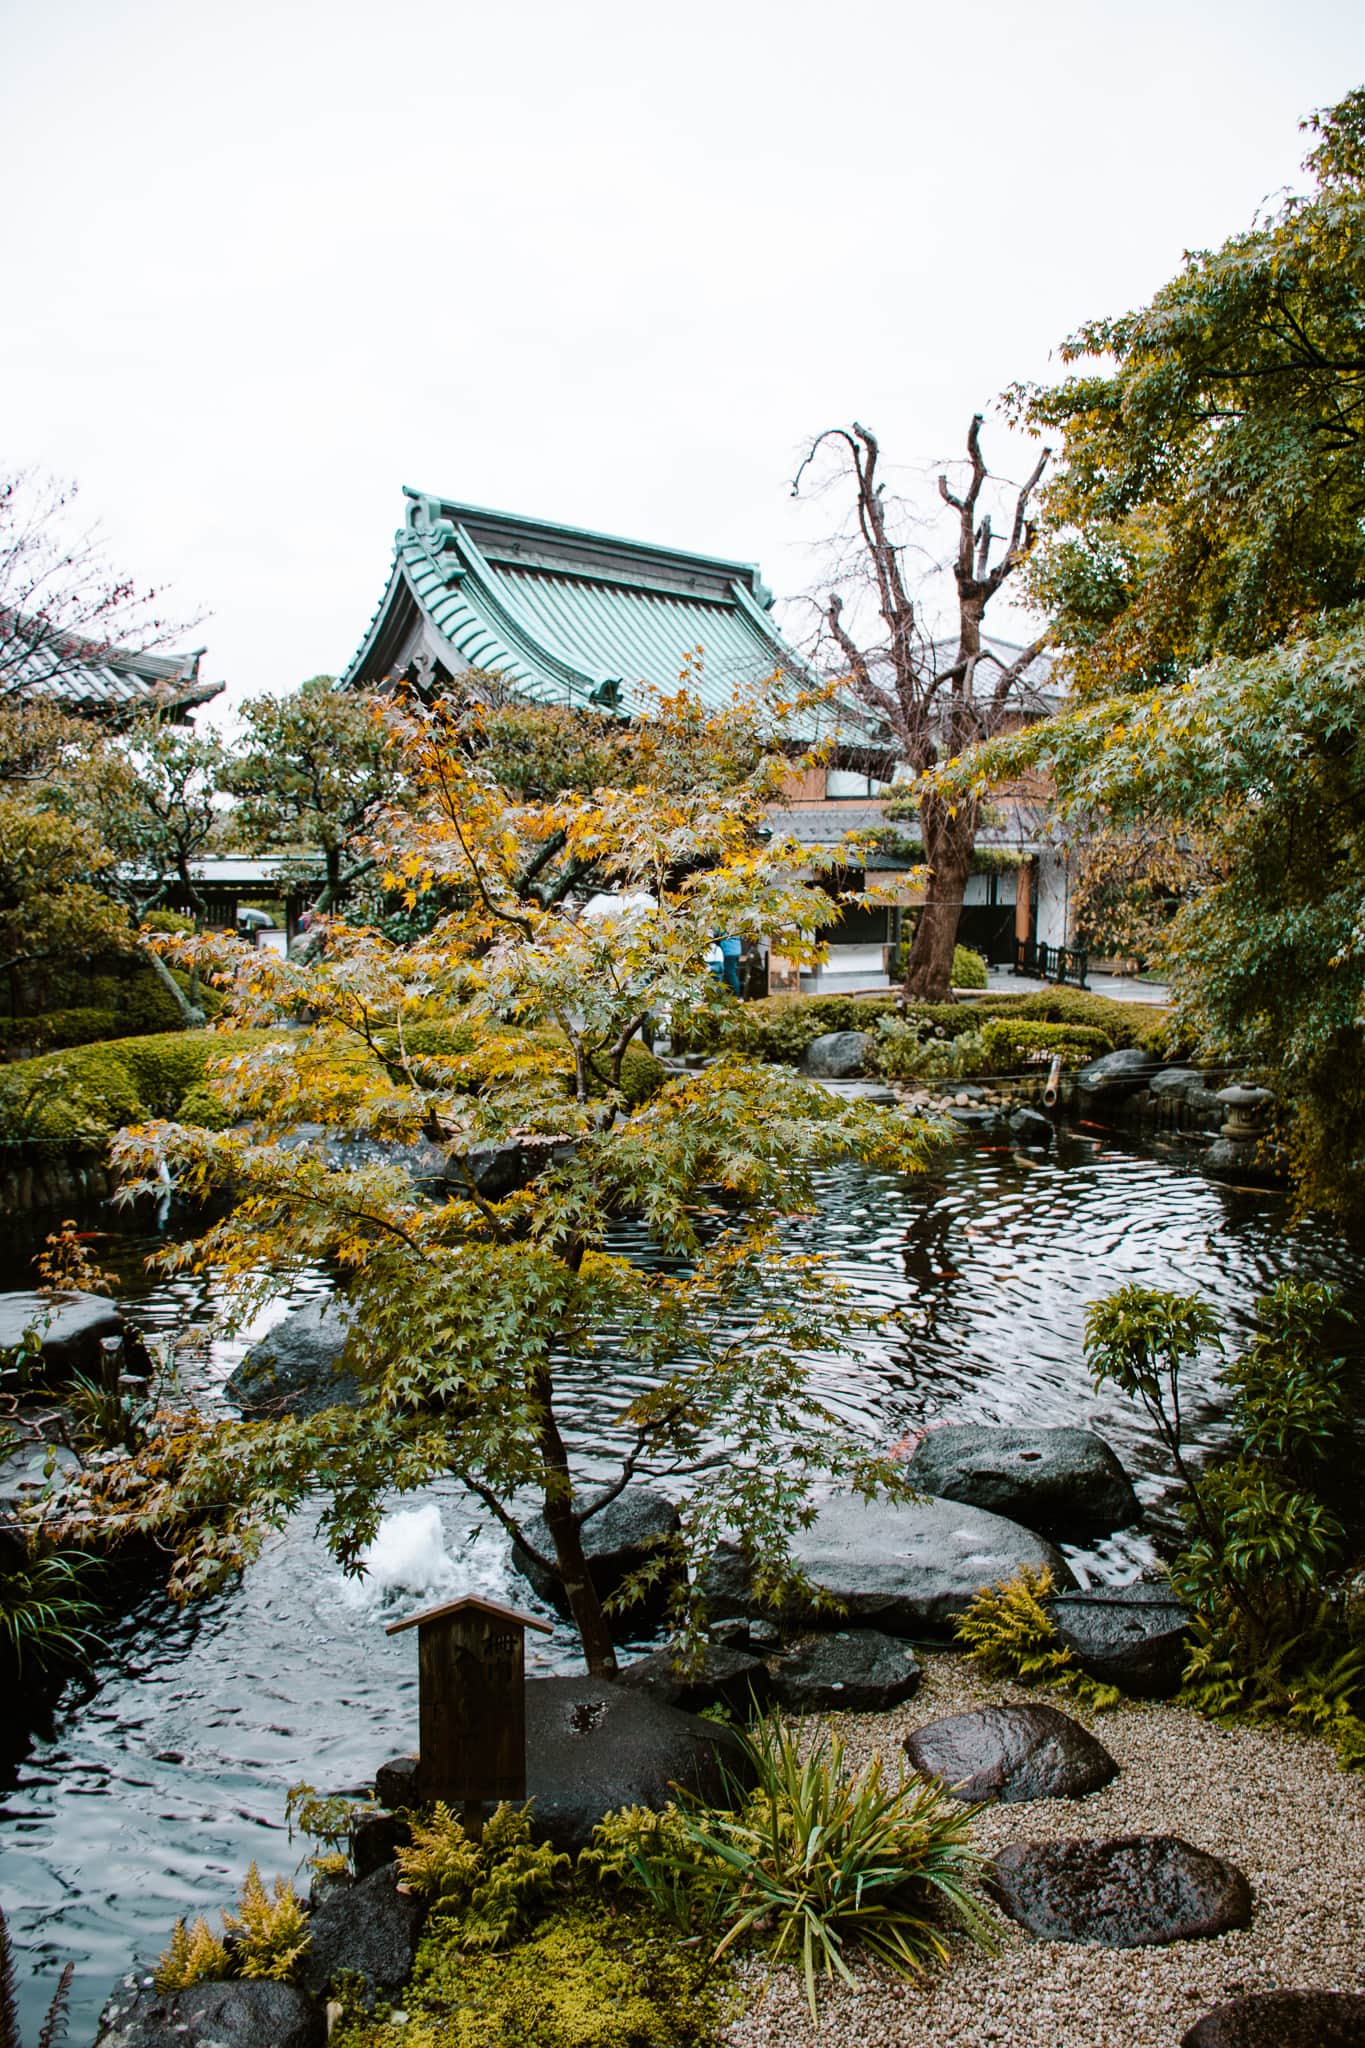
906 1567
1134 1638
1065 1483
854 1671
723 1676
1283 2019
1011 1754
1131 1891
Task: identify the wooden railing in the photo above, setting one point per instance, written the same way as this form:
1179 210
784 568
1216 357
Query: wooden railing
1051 963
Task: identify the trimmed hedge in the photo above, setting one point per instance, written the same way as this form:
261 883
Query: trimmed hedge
1013 1042
969 968
449 1038
81 1096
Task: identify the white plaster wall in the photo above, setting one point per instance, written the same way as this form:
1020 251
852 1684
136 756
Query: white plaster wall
1054 898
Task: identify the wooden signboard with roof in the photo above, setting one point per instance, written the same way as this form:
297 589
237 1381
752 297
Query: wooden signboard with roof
471 1689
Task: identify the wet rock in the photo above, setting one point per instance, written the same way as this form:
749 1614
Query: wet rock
1188 1087
840 1055
1134 1638
296 1369
395 1783
1131 1891
1011 1754
855 1671
1283 2019
616 1543
724 1676
70 1329
233 2015
592 1746
368 1928
977 1122
1065 1483
905 1567
1241 1160
375 1839
25 1477
1117 1074
1031 1130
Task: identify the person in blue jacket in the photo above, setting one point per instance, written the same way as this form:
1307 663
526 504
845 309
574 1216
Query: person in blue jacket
730 950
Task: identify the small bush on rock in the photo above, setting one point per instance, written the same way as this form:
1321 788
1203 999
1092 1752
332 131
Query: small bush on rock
1012 1043
907 1050
196 1955
270 1929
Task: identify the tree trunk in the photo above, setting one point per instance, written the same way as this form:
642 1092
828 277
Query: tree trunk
566 1532
948 846
193 1017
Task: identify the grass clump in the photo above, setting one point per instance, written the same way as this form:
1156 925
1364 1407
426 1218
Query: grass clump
814 1862
1008 1633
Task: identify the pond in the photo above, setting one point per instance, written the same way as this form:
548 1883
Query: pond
158 1784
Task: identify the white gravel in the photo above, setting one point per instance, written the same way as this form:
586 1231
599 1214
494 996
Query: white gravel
1275 1803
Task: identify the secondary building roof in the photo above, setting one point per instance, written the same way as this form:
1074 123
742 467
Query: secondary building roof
566 615
93 679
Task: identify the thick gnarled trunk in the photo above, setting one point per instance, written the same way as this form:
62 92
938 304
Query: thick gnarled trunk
948 844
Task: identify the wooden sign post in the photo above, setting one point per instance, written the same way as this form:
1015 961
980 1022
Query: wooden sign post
471 1693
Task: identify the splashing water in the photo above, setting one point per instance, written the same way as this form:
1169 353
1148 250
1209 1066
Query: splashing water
408 1556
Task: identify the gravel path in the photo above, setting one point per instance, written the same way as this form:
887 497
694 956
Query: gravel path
1277 1804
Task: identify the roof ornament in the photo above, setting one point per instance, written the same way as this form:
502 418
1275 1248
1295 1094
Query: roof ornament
607 694
424 517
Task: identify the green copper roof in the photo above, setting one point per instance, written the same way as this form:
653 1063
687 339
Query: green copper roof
566 614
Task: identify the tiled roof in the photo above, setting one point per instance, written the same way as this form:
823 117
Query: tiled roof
565 614
94 679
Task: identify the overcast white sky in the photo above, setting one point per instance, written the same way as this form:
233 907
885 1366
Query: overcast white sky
266 261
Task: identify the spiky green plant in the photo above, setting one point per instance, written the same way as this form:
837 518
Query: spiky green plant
44 1614
53 2031
816 1860
271 1929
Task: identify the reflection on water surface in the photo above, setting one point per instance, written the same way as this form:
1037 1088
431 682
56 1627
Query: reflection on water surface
156 1789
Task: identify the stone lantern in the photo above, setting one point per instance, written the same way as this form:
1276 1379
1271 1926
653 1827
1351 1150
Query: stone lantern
1248 1112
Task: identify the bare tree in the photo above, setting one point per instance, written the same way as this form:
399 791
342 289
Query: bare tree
61 605
932 707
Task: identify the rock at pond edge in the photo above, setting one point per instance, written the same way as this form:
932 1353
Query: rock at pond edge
1066 1484
240 2013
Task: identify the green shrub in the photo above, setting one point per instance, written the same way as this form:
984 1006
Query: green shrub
1008 1633
200 1107
174 921
1264 1555
1141 1024
816 1859
906 1050
45 1617
969 969
81 1096
268 1939
1012 1043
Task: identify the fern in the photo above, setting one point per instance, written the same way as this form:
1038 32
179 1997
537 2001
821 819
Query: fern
1008 1633
54 2026
481 1888
271 1930
193 1955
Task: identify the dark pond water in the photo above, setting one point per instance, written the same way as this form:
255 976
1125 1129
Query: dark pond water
156 1787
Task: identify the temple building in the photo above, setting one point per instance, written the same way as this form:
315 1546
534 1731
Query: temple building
91 679
567 615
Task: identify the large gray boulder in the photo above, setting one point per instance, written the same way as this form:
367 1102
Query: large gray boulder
1187 1086
1134 1637
906 1567
856 1671
1132 1891
1283 2019
70 1329
296 1369
1117 1074
1011 1754
368 1929
840 1055
256 2014
617 1542
1065 1483
592 1746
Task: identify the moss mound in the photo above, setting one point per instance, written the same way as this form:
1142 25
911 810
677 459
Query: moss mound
78 1098
590 1975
